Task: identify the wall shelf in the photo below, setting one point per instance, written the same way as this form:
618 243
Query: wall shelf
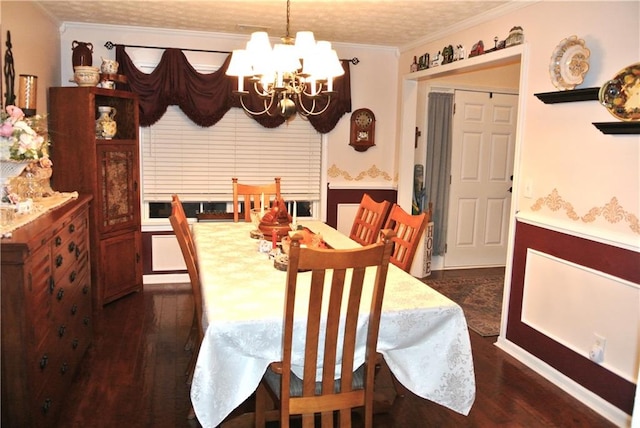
589 94
618 127
501 57
585 94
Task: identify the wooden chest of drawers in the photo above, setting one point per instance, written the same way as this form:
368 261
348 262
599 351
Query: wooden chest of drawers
46 313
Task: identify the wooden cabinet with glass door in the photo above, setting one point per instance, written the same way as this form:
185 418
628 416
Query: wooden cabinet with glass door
107 167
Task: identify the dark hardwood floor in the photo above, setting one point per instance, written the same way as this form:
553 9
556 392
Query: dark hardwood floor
133 376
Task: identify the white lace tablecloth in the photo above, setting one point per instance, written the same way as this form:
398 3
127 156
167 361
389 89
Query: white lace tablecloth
423 335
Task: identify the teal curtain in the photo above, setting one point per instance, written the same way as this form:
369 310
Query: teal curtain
438 164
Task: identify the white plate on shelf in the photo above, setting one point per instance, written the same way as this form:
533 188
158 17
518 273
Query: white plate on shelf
569 63
621 95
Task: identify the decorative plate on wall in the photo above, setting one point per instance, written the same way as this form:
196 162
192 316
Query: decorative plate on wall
569 63
621 95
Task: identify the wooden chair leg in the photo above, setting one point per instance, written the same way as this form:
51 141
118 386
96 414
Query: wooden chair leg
193 334
261 404
192 363
384 396
190 368
397 386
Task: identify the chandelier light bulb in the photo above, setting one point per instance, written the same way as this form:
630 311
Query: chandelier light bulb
239 66
285 58
305 42
259 42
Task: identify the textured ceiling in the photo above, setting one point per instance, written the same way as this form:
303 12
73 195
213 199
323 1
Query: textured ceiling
373 22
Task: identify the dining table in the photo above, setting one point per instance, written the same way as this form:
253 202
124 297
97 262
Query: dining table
423 335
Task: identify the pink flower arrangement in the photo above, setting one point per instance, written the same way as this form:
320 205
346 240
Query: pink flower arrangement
23 138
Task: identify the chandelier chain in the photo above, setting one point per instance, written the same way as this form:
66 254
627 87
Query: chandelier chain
288 13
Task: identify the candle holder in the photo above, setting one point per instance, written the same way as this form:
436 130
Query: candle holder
28 94
256 217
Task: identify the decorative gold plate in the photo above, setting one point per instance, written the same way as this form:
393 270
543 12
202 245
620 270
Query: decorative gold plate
621 95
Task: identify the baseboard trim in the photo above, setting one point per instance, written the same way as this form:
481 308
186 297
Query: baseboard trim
168 278
593 401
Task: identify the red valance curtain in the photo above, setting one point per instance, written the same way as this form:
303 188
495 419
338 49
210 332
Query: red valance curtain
205 98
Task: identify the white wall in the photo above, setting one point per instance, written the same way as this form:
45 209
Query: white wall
371 87
28 24
583 182
561 149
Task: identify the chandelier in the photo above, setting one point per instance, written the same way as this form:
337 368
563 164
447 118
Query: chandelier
292 77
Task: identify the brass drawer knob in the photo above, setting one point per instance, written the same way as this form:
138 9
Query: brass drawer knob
46 405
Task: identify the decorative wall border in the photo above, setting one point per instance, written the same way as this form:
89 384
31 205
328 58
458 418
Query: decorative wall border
373 172
612 211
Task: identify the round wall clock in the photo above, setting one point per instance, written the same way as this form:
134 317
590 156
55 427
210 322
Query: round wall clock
363 124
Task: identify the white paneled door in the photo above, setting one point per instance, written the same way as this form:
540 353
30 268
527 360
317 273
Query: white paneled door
484 131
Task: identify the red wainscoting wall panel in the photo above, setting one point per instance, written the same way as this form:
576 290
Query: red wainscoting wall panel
609 259
336 197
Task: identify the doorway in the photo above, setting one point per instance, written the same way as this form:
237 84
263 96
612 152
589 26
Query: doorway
482 157
501 71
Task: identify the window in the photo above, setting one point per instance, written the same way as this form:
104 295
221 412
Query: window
198 163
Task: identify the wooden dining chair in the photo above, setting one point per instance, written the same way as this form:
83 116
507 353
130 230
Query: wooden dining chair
408 229
369 220
329 328
182 230
177 211
252 195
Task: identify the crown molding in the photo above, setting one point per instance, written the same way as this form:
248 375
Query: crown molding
148 30
471 22
64 26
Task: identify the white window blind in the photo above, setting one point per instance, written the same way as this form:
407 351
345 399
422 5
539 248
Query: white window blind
198 163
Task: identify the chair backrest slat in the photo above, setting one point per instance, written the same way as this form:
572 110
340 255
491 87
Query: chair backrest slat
252 197
408 229
368 220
